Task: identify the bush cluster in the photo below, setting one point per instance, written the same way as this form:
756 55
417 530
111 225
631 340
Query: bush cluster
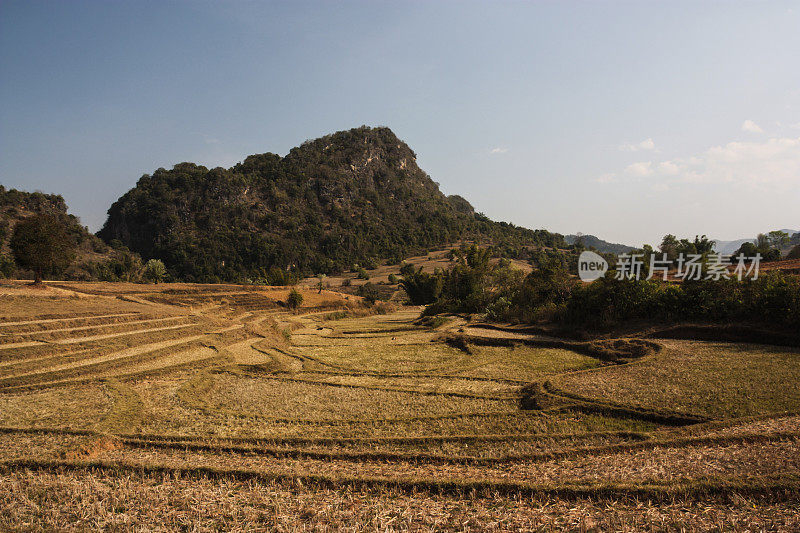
474 284
772 298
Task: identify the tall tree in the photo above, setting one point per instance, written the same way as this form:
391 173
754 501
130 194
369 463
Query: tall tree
778 239
42 244
670 245
703 244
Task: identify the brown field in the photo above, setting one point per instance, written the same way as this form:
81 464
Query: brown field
208 407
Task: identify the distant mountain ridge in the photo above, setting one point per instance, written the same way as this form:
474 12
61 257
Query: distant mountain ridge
347 198
590 241
729 247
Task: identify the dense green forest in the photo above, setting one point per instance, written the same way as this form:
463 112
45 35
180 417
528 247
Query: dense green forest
353 197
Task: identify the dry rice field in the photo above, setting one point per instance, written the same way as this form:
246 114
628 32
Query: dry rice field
213 407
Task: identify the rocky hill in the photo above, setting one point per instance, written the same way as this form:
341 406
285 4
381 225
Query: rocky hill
353 197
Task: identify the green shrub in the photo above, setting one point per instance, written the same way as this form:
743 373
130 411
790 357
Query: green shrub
154 270
498 310
421 287
369 292
294 300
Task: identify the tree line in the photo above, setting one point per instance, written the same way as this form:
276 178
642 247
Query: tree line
476 284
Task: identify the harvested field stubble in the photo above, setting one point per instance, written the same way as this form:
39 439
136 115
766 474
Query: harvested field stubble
710 378
169 501
123 413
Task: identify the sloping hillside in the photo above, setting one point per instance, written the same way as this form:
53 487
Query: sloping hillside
94 258
590 241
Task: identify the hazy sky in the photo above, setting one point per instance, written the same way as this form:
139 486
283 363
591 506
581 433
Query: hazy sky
627 120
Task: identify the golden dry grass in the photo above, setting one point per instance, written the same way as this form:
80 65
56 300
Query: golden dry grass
165 502
715 379
77 407
123 406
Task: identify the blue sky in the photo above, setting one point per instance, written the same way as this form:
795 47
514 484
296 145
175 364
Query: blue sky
627 120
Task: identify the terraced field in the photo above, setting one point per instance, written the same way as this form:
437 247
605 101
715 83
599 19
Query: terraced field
213 407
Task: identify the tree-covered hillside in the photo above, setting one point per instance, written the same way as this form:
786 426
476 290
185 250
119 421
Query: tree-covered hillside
93 259
348 198
590 241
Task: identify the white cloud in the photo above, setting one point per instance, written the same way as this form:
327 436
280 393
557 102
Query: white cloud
498 150
640 170
795 126
646 144
668 168
751 127
772 165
